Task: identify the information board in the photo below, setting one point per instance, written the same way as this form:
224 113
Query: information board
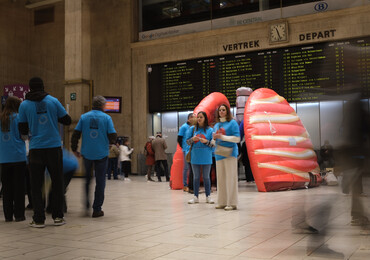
299 74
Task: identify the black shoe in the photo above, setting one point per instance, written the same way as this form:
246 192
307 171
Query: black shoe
159 180
8 220
97 214
29 206
20 219
150 179
115 178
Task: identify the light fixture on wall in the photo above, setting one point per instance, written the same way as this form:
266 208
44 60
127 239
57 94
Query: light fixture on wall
32 5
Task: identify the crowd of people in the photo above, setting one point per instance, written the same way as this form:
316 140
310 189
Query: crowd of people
206 148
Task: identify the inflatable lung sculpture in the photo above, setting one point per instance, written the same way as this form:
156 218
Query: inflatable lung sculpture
209 104
176 169
279 148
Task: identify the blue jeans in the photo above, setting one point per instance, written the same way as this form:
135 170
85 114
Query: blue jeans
100 170
185 171
206 179
112 166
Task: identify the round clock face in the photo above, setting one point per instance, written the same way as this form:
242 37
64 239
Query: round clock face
278 32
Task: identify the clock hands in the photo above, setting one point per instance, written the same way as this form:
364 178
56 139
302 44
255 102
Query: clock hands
278 33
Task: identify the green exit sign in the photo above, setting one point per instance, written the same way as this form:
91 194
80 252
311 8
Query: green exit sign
73 96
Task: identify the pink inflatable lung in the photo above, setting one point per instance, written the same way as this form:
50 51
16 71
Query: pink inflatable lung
279 148
176 169
210 103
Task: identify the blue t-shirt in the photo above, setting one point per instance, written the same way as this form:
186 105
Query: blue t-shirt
12 147
227 128
95 126
200 153
182 132
70 162
42 118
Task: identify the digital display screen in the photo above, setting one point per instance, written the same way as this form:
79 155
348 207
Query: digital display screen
299 74
113 105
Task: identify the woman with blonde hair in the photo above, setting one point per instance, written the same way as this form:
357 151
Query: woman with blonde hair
227 135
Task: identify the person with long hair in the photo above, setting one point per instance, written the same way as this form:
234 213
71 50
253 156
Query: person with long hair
227 135
199 137
13 162
149 158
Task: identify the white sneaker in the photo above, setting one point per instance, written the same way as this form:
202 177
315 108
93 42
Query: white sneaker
193 200
209 200
127 179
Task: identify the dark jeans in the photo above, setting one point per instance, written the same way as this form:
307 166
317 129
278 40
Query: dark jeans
126 168
52 159
112 166
159 169
13 183
100 170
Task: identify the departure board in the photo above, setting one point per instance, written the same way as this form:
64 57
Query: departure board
299 74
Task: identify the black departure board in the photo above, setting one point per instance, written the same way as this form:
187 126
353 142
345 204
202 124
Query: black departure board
299 74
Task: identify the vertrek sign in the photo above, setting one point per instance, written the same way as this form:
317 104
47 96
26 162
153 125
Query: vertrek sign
241 46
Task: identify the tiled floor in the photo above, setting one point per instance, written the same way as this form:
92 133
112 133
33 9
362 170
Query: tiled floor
145 220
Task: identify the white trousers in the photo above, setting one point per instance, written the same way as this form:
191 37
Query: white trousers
227 181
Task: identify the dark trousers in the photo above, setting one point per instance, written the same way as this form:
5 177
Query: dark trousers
112 166
67 176
13 182
52 159
159 169
126 168
28 187
100 167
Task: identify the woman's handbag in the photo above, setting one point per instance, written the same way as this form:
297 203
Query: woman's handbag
223 150
188 155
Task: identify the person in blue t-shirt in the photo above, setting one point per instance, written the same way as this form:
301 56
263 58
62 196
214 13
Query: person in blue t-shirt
97 132
181 140
227 135
39 116
13 161
199 138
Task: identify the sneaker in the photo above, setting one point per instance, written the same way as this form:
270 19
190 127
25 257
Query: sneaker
127 179
151 180
230 208
360 221
220 207
209 200
193 200
59 221
97 214
36 225
305 230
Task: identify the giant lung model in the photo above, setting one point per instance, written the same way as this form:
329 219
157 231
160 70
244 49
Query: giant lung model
209 104
279 148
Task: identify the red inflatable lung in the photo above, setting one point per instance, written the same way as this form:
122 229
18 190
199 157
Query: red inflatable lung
280 151
176 169
210 103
